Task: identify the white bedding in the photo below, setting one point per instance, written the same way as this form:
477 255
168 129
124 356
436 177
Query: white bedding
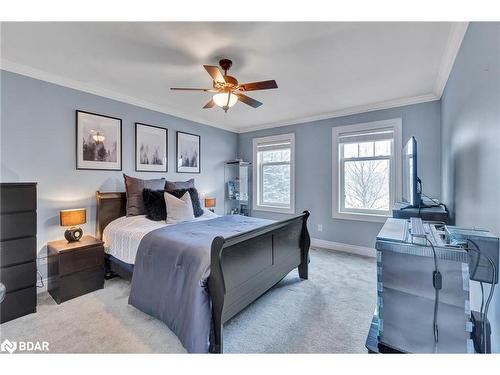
122 236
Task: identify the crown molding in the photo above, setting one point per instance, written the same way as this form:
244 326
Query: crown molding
455 38
454 42
97 90
348 111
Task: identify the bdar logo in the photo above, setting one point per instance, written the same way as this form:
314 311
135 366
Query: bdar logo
8 346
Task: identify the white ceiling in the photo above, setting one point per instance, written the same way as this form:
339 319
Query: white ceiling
322 69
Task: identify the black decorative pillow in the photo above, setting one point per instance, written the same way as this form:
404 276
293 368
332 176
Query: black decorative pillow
154 204
178 185
197 210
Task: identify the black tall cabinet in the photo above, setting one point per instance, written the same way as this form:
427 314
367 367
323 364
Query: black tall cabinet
18 249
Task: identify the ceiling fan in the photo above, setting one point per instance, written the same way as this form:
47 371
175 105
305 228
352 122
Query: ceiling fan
228 90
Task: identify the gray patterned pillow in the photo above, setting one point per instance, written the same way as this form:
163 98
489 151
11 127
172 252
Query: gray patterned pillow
179 185
134 187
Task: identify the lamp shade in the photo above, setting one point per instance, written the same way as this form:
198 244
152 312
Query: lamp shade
209 202
221 99
76 216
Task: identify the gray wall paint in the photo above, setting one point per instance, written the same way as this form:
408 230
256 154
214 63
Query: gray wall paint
313 169
471 141
38 144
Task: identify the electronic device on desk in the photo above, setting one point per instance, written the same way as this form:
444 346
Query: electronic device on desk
423 274
412 185
436 213
413 205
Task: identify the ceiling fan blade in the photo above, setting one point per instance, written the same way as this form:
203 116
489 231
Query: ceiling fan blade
210 104
248 100
192 89
215 73
262 85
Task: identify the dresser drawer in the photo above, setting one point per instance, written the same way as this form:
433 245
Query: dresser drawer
18 303
17 251
17 225
18 277
17 197
80 260
76 284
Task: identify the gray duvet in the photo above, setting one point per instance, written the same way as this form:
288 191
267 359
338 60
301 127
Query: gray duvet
171 271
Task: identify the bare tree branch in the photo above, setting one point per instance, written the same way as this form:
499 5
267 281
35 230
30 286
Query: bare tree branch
367 184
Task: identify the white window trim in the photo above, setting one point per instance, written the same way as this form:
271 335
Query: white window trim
255 180
396 125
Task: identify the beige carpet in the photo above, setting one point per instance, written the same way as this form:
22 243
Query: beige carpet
329 313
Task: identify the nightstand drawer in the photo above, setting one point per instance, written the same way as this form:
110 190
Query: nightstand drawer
22 224
17 251
18 303
18 277
80 260
77 284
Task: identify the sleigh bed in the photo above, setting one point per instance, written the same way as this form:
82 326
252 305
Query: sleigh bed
242 267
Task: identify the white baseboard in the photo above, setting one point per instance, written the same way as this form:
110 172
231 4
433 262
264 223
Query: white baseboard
346 248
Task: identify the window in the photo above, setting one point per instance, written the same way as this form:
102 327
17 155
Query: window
273 168
366 170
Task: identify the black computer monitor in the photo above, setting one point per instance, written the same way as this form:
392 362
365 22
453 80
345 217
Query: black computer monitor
411 189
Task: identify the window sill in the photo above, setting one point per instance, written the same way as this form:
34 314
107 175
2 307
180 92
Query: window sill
360 217
278 210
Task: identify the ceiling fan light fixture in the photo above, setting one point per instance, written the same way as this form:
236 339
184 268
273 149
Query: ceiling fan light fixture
221 99
228 90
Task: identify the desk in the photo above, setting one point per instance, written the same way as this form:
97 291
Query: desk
372 344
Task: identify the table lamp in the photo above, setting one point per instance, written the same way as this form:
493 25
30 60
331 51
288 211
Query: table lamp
210 203
71 218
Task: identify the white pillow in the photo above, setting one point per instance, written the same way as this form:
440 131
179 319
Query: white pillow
179 210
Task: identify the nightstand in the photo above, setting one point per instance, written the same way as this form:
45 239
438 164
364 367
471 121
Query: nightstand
75 268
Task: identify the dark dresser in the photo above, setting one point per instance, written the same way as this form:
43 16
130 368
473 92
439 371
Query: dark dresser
18 249
75 268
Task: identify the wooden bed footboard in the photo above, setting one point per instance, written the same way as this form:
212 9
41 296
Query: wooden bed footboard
245 266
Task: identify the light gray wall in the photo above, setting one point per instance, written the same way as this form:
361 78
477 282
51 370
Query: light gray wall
38 144
313 169
470 109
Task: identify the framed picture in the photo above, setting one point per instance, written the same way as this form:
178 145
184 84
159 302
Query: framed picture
151 148
188 153
98 142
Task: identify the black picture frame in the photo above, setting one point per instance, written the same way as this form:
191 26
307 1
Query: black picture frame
137 168
181 169
79 152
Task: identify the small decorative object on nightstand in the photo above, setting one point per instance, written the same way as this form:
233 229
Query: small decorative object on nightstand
210 203
75 268
70 218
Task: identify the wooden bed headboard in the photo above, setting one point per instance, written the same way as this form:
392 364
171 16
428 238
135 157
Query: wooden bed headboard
110 206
